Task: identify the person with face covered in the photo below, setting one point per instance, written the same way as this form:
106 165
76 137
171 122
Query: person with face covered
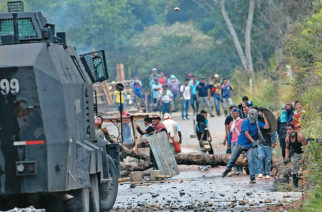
289 112
247 141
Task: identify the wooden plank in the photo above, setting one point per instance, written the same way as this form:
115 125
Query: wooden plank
164 154
107 93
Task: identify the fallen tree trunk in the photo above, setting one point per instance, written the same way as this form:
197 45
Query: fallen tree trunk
213 160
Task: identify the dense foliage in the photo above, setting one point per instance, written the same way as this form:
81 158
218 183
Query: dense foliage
304 45
127 29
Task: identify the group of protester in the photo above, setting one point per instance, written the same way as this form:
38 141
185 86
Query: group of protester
194 93
246 133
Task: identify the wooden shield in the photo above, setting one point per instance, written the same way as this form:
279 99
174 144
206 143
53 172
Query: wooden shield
270 118
163 154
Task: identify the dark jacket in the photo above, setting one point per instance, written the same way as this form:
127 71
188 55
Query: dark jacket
281 128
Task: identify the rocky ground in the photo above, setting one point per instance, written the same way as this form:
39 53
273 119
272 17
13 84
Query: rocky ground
194 190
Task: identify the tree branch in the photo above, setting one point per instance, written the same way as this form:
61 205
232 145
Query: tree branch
248 36
233 35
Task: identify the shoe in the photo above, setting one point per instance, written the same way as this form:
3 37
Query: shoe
267 177
183 118
252 181
237 173
225 173
260 176
187 118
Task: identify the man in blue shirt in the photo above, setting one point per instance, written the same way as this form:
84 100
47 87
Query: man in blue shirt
247 142
226 95
193 83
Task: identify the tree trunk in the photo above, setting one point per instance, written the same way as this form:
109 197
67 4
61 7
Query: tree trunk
205 159
234 36
248 37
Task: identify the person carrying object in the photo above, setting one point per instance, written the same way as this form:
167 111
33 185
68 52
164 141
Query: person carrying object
247 141
295 140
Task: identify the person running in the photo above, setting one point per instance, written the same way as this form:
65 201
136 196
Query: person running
193 83
281 129
166 100
215 92
203 95
226 89
234 130
185 92
295 140
247 142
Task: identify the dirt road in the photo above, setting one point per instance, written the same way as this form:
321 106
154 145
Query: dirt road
195 190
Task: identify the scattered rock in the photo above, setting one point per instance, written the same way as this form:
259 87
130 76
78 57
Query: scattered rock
267 200
132 185
156 205
210 204
243 202
287 196
222 195
251 204
155 195
249 193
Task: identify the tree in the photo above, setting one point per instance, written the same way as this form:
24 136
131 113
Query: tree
244 56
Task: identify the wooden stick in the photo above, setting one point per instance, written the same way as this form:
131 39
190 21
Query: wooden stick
124 179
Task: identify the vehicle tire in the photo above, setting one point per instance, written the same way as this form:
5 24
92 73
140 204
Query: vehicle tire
80 202
110 188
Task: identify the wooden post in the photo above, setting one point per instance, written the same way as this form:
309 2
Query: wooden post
120 72
107 93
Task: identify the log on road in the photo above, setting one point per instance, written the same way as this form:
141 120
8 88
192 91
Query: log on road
207 159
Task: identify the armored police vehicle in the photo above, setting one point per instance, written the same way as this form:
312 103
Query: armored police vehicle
49 154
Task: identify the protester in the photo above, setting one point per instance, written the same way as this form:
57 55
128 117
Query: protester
247 142
234 130
281 129
119 99
298 115
203 96
215 92
185 92
226 95
137 80
296 141
193 83
173 130
137 91
247 102
265 153
153 74
162 79
156 88
189 76
166 100
174 86
102 132
148 127
228 119
289 113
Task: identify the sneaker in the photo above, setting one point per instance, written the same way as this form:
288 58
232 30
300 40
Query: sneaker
183 118
267 177
225 173
187 118
252 181
260 176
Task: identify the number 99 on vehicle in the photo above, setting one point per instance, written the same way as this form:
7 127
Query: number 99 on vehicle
9 86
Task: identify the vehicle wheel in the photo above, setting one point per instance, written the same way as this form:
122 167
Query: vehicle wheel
108 190
80 202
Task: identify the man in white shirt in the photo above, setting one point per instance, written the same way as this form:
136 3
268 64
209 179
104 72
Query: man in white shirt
185 93
166 99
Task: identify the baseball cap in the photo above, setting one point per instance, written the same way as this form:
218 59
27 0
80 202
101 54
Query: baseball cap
154 69
216 75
